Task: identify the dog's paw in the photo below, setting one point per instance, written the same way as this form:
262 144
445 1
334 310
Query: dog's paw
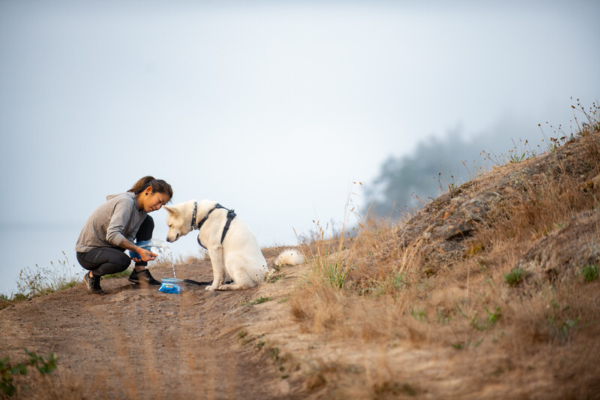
210 288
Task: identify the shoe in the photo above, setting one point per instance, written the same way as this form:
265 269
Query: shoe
93 284
143 277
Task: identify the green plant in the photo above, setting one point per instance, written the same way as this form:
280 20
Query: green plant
442 318
260 300
419 315
5 301
568 325
491 319
563 328
515 158
274 353
122 274
475 324
273 278
334 274
279 360
8 370
398 281
590 272
242 335
515 276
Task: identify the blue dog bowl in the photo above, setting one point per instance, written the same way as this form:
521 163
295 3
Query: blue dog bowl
171 285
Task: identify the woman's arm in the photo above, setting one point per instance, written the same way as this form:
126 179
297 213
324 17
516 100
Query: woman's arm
145 254
119 218
114 233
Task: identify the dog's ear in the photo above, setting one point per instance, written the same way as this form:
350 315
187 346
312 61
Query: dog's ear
171 211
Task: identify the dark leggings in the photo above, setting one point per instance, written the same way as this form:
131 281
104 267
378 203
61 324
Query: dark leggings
111 260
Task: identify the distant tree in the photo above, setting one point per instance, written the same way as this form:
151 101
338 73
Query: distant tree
437 164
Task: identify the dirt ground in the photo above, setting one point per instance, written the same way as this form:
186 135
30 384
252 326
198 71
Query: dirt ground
141 343
144 344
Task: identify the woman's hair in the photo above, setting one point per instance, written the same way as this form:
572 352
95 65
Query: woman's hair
158 186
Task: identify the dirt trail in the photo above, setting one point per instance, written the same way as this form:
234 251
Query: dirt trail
144 344
141 343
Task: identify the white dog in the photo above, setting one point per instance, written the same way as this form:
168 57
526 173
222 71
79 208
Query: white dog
233 252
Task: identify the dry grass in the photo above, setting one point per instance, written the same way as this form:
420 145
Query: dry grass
61 384
374 290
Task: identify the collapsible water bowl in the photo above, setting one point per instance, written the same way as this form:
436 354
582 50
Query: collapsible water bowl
154 245
171 285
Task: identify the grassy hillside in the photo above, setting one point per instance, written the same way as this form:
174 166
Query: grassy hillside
495 281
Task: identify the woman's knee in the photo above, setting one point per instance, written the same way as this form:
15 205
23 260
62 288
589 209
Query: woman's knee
117 262
121 260
121 267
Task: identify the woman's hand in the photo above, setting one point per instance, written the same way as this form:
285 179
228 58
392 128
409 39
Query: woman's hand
145 255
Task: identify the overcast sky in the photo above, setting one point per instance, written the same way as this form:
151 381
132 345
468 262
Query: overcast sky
272 108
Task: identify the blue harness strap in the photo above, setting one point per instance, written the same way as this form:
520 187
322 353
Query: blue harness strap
230 216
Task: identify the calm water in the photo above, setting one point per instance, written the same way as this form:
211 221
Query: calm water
28 246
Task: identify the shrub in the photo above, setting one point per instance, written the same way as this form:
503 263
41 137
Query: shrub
8 370
515 276
590 272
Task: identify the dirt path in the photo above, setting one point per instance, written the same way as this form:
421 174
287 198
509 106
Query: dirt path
141 343
144 344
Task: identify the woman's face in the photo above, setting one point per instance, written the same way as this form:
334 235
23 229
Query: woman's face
154 201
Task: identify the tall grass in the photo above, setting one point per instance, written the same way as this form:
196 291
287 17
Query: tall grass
43 280
377 288
326 250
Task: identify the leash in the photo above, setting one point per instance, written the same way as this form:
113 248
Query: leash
192 282
230 216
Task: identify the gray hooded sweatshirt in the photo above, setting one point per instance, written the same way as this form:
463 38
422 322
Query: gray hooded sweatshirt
111 223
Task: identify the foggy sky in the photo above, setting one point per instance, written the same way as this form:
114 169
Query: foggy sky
271 108
409 181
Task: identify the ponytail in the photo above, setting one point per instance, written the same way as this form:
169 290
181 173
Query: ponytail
158 186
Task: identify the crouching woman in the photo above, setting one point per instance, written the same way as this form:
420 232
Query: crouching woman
112 229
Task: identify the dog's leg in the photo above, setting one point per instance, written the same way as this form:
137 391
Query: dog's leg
241 280
218 266
234 286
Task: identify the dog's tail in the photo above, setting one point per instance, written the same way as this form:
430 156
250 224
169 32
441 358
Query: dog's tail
289 257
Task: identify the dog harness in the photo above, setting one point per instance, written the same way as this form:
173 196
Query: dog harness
230 216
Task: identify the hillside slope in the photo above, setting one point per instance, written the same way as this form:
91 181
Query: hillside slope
489 291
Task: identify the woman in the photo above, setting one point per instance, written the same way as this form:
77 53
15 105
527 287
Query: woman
112 228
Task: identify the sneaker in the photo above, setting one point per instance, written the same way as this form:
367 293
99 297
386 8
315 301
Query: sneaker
92 284
143 277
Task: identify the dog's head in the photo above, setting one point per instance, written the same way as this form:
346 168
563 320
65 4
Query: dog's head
179 220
